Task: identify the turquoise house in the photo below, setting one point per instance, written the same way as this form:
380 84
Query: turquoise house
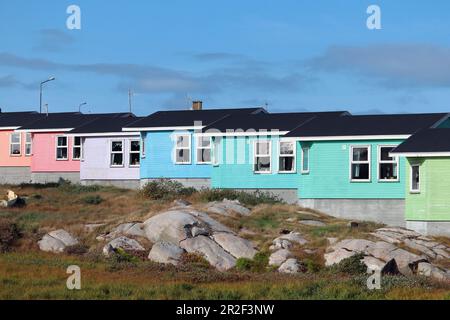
170 148
336 163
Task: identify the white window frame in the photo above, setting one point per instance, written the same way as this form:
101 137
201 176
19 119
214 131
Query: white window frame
58 147
294 156
411 178
189 147
302 170
77 146
200 147
216 152
255 156
142 147
111 152
395 161
15 143
130 152
28 134
368 161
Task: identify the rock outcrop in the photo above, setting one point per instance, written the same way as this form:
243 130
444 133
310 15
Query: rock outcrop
56 241
123 243
165 252
226 207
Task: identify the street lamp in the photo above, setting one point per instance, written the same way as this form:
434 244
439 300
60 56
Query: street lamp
40 92
81 104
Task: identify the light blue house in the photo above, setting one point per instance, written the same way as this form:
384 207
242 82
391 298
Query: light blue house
171 149
336 163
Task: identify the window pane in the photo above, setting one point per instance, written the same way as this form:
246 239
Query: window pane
286 148
28 137
76 152
61 153
262 148
15 138
117 146
204 155
135 146
204 142
183 155
286 164
15 149
360 171
77 141
28 149
62 141
134 159
385 154
360 154
262 164
183 141
116 159
415 179
388 171
305 164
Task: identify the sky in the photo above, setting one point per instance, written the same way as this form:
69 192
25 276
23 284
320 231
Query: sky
288 55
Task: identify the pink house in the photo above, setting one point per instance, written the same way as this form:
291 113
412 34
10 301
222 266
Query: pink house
56 153
16 147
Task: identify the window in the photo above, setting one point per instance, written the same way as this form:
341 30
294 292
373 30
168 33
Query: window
262 156
143 146
360 163
135 153
286 162
76 150
61 148
116 153
415 178
15 142
203 150
216 152
387 166
28 144
183 149
305 159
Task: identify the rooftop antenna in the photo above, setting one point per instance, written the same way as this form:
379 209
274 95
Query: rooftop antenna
130 95
80 105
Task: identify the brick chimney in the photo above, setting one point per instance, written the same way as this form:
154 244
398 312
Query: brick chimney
197 105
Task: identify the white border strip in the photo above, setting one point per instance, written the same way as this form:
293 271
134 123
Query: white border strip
45 130
242 134
336 138
421 154
9 128
105 134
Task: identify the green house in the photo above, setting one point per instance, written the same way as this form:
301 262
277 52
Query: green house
427 205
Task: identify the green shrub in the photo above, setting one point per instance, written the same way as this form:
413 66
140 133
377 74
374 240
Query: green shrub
257 264
121 259
9 233
351 265
311 265
76 188
94 200
246 198
165 190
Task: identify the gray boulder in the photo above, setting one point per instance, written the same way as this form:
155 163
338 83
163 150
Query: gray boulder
337 256
278 257
56 241
210 250
123 243
236 246
169 226
290 266
164 252
428 270
226 206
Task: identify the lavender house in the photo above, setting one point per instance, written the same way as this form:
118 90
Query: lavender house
109 156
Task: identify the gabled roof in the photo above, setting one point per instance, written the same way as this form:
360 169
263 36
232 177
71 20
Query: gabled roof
66 121
401 125
187 118
282 122
18 119
428 142
105 125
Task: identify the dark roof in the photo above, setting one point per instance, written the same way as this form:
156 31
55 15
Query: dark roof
105 125
68 120
428 140
186 118
269 121
18 119
384 124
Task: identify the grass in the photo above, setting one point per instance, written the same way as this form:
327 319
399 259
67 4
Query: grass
27 273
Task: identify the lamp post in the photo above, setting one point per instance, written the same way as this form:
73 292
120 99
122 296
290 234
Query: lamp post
81 104
40 92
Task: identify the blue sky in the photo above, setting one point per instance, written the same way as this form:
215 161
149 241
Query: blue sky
293 55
